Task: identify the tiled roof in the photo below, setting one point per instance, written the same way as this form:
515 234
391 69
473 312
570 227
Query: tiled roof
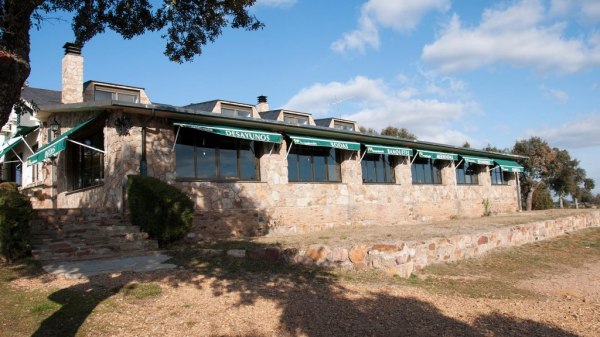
42 97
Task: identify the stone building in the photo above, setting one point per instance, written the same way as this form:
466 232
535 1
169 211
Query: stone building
250 170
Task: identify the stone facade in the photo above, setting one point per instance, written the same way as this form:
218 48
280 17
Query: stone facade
72 78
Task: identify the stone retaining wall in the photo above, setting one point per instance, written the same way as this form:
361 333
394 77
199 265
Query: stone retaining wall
404 257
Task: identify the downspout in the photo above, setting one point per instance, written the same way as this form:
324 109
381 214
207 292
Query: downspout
143 162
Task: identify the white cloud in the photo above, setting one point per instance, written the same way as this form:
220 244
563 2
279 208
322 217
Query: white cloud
374 103
516 35
399 15
275 3
589 10
555 94
581 132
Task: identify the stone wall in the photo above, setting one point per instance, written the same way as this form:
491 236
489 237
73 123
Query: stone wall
402 258
273 204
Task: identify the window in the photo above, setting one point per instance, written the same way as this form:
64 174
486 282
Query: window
109 94
377 168
295 119
498 177
314 164
87 165
426 171
204 156
15 169
343 126
467 174
231 111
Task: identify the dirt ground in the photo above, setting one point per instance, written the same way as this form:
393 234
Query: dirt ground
351 235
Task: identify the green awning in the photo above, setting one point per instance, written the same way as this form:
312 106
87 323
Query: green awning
478 160
229 131
9 145
394 151
25 130
509 165
437 155
338 144
57 145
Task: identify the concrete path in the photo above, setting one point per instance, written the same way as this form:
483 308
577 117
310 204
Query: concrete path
78 269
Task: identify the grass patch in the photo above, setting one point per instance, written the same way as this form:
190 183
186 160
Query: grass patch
497 274
141 291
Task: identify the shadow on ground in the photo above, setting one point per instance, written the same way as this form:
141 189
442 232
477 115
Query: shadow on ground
312 302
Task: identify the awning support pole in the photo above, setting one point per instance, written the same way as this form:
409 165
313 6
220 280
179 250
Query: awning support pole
364 154
290 149
415 157
20 159
455 168
519 206
457 165
176 137
28 147
271 149
85 145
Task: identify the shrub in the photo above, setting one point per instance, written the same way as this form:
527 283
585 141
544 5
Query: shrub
159 209
8 186
15 224
542 198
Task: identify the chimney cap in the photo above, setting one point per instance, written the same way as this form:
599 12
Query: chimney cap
262 99
72 48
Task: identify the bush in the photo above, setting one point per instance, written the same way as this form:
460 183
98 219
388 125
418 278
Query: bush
159 209
8 186
542 198
15 224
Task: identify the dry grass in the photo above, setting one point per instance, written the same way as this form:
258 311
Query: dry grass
351 235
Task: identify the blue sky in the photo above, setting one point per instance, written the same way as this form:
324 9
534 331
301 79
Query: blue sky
450 71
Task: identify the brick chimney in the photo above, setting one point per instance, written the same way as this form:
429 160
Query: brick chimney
262 105
72 74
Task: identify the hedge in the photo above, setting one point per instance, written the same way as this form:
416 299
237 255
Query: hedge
159 209
15 223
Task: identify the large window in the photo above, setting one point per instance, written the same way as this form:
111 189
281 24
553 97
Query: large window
87 165
314 164
295 119
110 94
377 168
498 176
467 174
231 111
205 156
343 126
427 171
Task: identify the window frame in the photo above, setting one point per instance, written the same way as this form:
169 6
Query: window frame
344 126
429 168
389 162
78 154
201 136
299 151
495 173
462 171
115 92
292 116
236 111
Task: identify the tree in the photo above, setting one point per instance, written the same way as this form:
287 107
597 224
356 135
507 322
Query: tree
467 145
399 133
187 25
563 174
542 198
369 131
540 157
492 148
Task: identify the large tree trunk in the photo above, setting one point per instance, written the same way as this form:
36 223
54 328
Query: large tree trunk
530 198
560 201
576 203
14 52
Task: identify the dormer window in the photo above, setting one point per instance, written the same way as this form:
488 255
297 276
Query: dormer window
233 111
102 94
295 119
343 126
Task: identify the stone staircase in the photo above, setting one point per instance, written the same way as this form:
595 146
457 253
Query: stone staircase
85 233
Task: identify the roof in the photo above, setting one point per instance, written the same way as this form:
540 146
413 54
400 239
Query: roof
179 113
87 83
42 97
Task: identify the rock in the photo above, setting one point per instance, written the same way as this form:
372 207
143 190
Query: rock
237 253
386 248
482 240
338 255
357 254
317 253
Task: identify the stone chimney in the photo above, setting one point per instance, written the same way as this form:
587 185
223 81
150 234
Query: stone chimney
262 105
72 74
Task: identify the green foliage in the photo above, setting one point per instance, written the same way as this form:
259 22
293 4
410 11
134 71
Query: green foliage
369 131
399 133
486 207
15 224
159 209
8 186
542 198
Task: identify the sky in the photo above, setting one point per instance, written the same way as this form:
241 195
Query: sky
450 71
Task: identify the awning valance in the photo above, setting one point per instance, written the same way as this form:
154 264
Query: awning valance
9 145
338 144
229 131
56 146
509 165
437 155
478 160
394 151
